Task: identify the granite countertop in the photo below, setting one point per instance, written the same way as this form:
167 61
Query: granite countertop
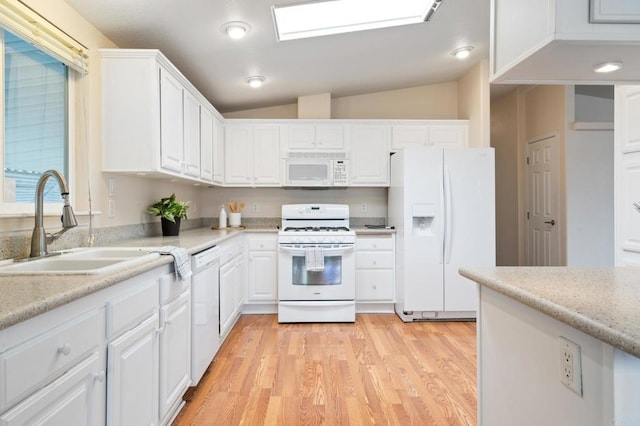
602 302
25 296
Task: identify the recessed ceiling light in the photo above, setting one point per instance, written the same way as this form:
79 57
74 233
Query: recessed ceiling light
324 17
236 29
462 52
255 81
608 67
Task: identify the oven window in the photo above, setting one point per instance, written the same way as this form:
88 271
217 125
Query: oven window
330 275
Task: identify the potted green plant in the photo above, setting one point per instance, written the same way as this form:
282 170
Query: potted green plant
171 211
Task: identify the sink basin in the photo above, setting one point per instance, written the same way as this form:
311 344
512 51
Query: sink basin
84 261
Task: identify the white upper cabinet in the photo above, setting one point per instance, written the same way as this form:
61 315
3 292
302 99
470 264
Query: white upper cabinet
151 117
560 41
218 152
442 134
313 137
171 123
191 114
370 149
252 155
207 131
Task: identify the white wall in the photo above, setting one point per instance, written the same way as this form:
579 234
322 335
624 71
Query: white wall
474 103
504 139
590 175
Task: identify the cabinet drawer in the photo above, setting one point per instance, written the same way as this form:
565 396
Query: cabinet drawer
374 260
263 243
73 399
130 309
374 285
378 243
34 363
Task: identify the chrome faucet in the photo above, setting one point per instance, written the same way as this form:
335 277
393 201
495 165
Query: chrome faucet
39 239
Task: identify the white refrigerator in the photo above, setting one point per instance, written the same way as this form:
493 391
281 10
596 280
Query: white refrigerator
442 204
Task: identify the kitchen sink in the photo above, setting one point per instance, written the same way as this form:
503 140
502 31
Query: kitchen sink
83 261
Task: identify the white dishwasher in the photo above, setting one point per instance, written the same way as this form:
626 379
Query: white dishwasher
205 331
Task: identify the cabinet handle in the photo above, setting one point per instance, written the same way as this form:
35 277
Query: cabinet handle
99 377
65 349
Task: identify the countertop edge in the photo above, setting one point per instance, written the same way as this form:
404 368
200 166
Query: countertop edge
557 311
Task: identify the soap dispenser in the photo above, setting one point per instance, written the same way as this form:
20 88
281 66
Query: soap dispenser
222 218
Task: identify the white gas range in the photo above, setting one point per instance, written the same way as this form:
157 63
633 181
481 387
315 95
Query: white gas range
316 264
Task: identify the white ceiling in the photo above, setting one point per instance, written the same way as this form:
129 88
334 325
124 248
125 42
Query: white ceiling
189 34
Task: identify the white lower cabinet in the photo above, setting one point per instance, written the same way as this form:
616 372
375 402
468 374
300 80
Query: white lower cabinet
375 271
262 283
233 281
72 399
132 382
175 355
120 356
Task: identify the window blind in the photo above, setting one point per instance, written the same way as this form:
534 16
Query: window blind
28 24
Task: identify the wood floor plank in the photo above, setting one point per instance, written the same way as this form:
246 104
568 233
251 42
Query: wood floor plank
377 371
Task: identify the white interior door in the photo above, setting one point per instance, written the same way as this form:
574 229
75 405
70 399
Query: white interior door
543 233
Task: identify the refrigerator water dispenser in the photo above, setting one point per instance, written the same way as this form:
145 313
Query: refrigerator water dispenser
423 216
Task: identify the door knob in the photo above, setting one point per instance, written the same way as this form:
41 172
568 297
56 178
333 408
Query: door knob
551 222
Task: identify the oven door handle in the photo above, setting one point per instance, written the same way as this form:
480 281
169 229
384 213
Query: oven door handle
302 250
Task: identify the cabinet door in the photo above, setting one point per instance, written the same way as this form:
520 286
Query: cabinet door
266 152
300 137
409 135
191 135
237 155
175 353
448 135
206 144
76 398
330 137
627 179
133 376
369 155
263 276
218 152
227 297
171 122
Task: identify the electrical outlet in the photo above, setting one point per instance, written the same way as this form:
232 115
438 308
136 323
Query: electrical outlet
364 208
255 208
112 187
570 365
112 207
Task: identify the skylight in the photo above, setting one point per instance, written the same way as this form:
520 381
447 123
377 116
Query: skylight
326 17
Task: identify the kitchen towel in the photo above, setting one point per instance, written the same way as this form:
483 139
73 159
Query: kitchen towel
181 260
314 259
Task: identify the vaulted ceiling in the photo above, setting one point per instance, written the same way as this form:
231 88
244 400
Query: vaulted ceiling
189 33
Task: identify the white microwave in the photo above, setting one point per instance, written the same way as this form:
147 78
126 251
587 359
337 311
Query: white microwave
316 169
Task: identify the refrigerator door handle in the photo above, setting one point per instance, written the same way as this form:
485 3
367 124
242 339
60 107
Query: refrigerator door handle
441 215
448 215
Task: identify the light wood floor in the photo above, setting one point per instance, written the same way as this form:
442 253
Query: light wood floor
378 371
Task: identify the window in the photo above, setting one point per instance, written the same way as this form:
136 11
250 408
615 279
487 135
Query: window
40 65
35 120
